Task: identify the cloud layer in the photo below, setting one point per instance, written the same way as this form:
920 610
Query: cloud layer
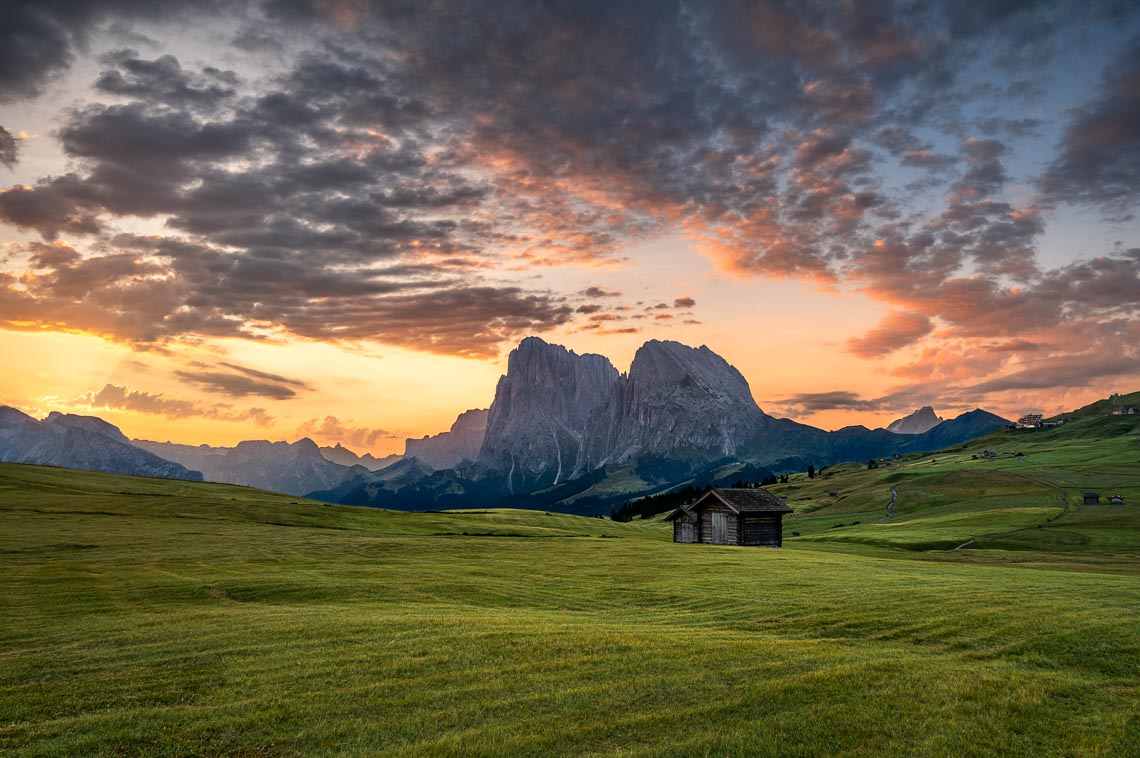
390 177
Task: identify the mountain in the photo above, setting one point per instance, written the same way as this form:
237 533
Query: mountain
922 420
968 426
448 449
81 442
677 403
295 468
539 414
384 485
567 432
340 454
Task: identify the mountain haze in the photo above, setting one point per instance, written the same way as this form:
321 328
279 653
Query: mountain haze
338 453
295 468
81 442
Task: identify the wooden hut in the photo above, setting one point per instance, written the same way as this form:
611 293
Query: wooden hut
684 525
1092 498
751 517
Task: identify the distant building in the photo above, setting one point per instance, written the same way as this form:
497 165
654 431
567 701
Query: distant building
1116 499
1129 410
991 453
1030 421
1092 498
751 517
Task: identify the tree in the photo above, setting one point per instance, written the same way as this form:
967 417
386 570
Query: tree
872 463
811 471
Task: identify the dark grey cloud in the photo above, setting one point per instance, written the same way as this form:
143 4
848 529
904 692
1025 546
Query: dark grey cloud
163 80
594 292
1078 370
39 39
362 190
237 385
264 375
1099 159
815 402
684 302
9 148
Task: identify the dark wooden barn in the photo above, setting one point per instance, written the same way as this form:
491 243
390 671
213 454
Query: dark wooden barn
732 517
1092 498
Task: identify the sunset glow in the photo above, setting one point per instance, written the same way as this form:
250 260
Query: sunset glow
336 220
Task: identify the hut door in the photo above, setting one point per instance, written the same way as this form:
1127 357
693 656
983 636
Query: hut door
719 528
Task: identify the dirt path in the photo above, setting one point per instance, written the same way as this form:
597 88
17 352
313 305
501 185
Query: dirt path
891 505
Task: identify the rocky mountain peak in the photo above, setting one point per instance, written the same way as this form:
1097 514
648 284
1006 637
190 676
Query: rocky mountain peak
535 424
922 420
677 402
90 423
668 362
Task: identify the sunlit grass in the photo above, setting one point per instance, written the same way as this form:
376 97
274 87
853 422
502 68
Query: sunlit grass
227 621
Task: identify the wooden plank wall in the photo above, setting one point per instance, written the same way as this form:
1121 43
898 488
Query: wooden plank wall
763 530
706 530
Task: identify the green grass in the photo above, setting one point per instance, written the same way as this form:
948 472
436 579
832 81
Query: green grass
1027 500
167 618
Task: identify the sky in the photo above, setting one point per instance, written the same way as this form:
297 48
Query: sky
335 218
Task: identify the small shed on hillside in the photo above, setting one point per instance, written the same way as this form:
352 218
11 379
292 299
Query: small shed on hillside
725 516
1116 499
1092 498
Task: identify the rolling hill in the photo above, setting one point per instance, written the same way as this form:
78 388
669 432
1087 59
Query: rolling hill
163 617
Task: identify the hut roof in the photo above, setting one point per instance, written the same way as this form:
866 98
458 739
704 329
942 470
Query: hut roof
682 511
745 500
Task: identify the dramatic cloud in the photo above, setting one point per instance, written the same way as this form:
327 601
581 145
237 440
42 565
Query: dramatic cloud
1099 162
1067 371
117 397
395 172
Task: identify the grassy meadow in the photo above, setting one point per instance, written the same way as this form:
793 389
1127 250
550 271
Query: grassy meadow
149 617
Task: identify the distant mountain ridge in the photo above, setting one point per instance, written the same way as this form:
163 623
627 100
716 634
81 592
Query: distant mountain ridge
448 449
294 468
338 453
81 442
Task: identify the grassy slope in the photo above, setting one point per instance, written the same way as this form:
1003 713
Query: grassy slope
166 618
1028 503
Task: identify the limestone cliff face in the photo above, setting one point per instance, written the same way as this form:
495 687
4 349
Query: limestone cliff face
922 420
81 442
535 424
447 449
677 402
